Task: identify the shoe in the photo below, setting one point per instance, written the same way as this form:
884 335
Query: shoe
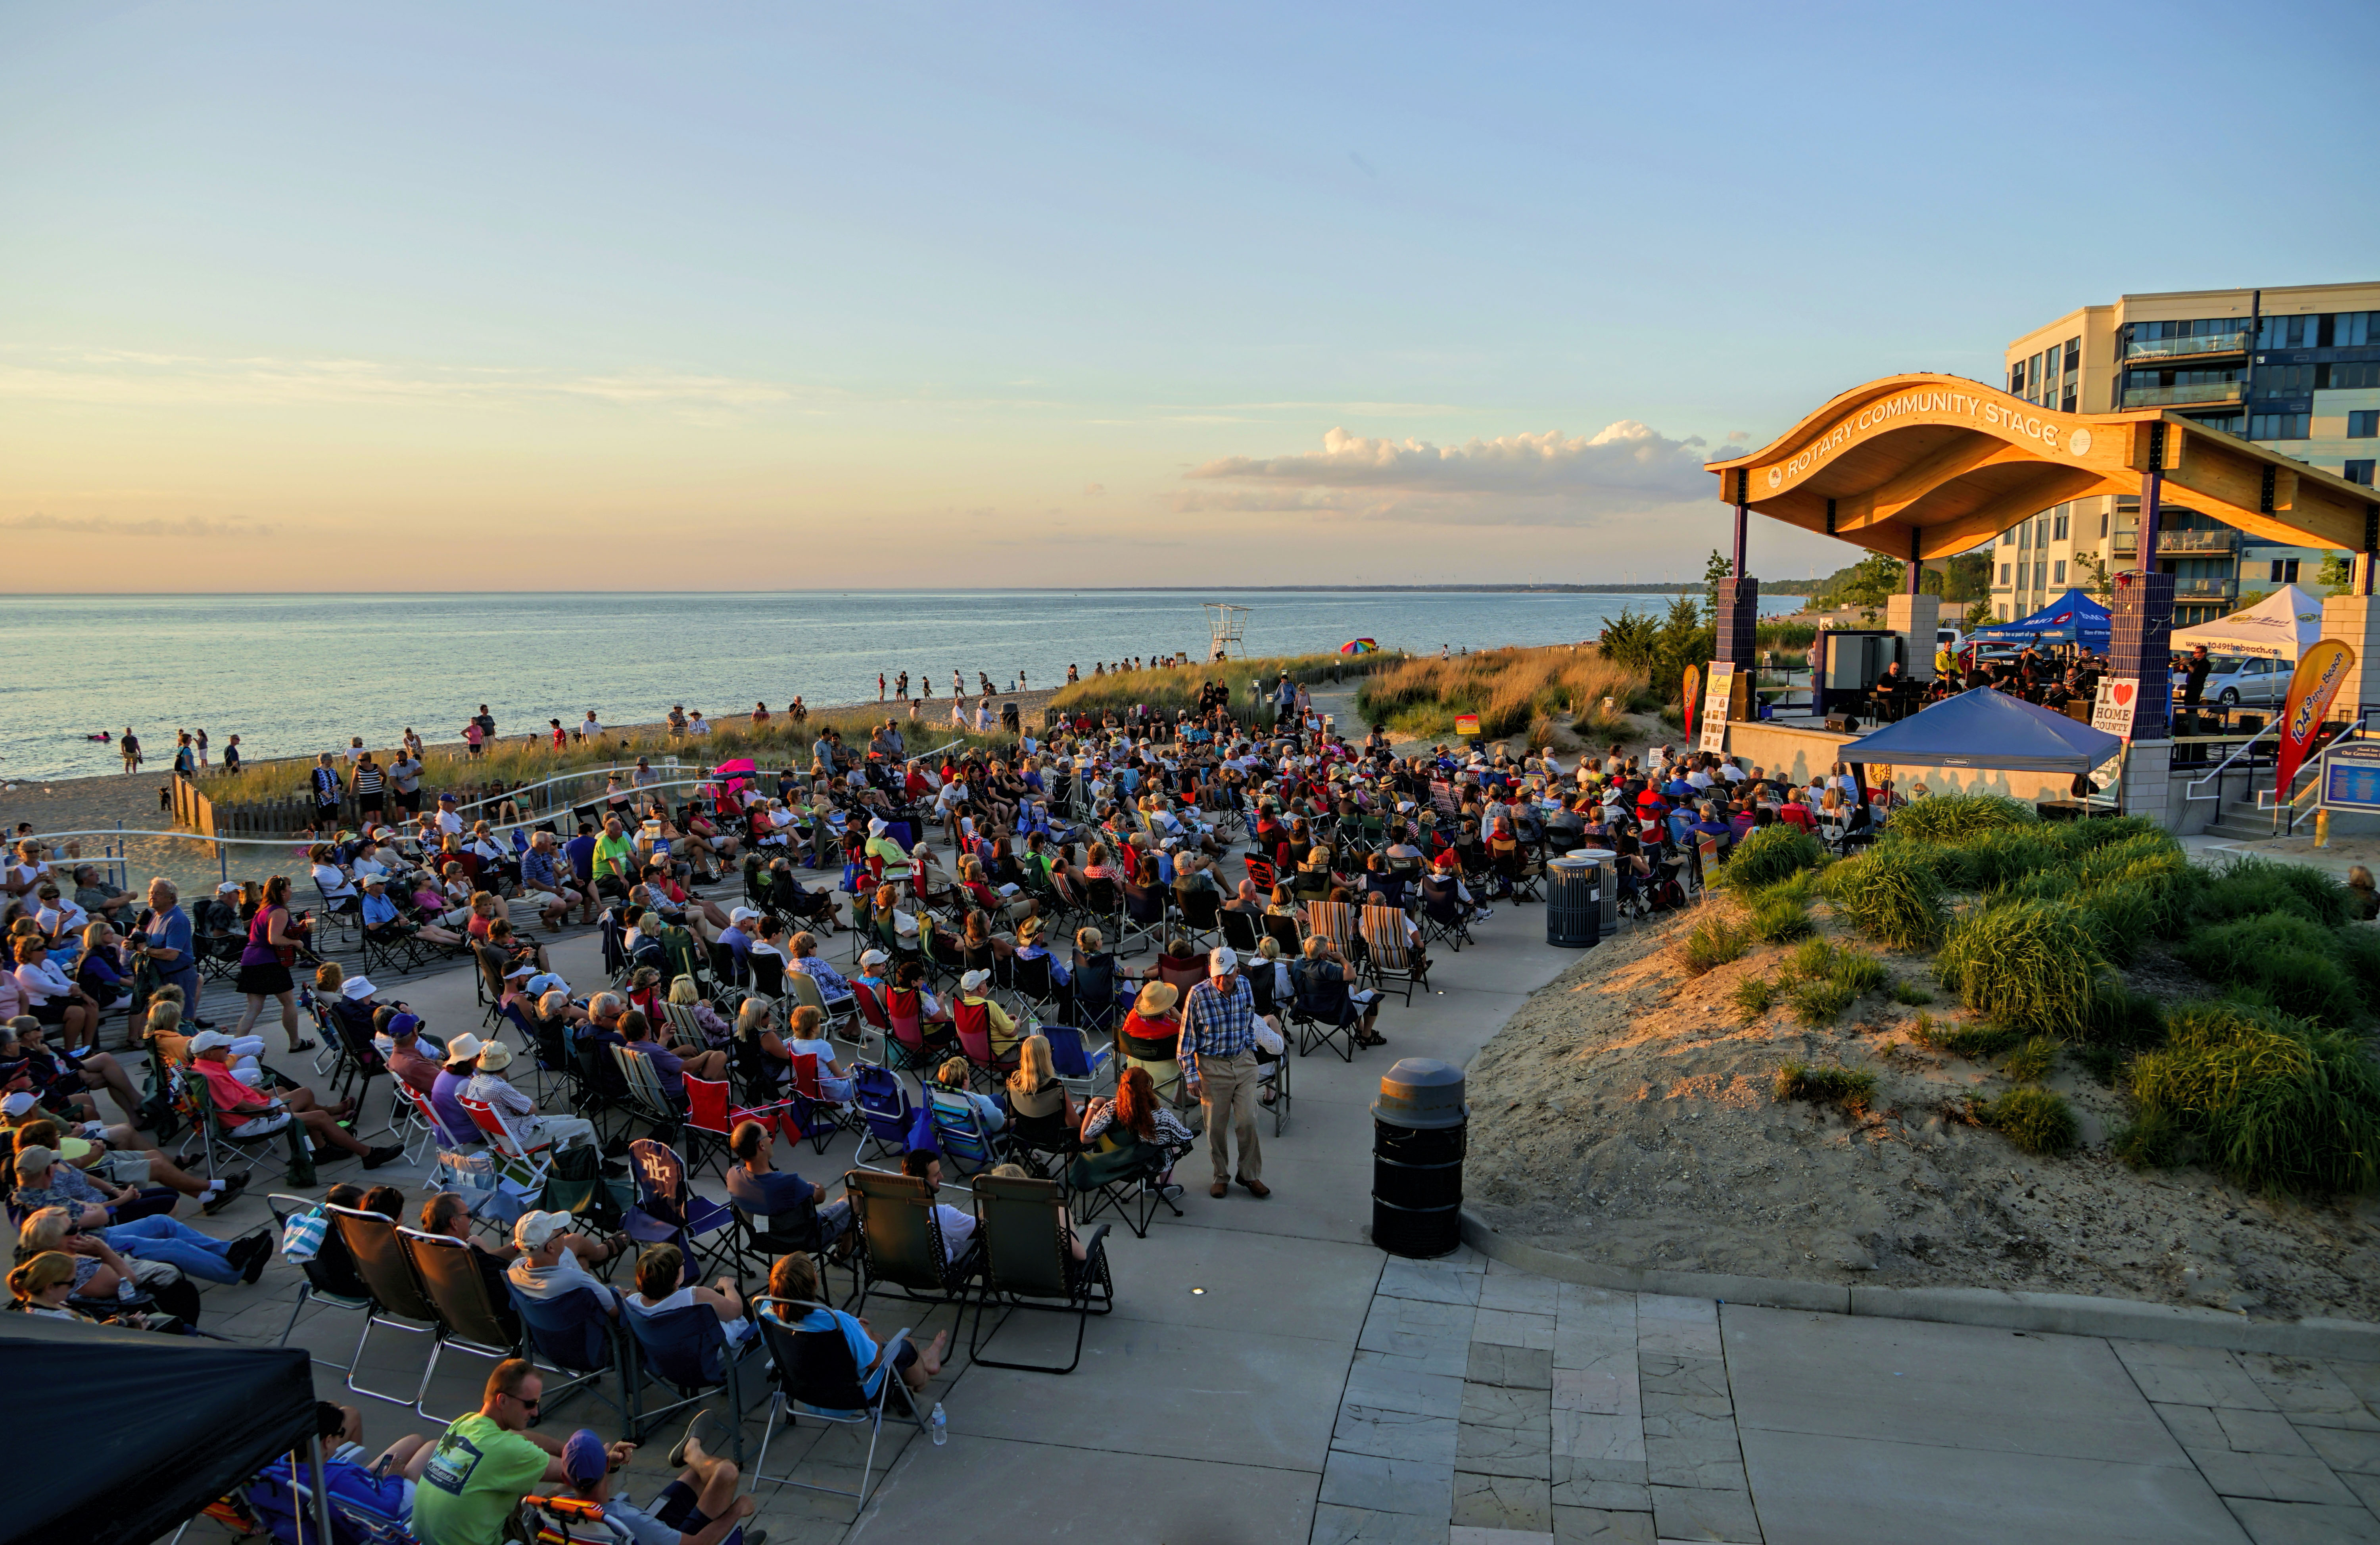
381 1155
1256 1189
224 1197
204 1023
677 1455
249 1254
1220 1188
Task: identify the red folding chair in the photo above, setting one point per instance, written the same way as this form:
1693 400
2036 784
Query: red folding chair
712 1116
826 1116
973 1022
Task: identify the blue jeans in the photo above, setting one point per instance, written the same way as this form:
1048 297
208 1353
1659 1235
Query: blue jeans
162 1238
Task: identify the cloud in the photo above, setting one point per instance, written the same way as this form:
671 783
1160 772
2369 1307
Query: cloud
188 526
1623 464
1514 479
1092 491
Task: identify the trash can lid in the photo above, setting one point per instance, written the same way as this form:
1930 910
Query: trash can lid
1572 861
1592 855
1422 1092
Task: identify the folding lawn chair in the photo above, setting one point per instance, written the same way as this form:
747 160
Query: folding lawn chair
573 1335
959 1131
884 1109
687 1350
1389 962
469 1318
398 1300
668 1212
817 1376
1028 1264
1121 1173
901 1241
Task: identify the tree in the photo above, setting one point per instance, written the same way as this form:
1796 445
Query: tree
1870 580
1980 615
1967 576
2336 571
2092 570
1720 568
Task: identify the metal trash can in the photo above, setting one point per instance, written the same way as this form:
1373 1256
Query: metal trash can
1606 881
1008 719
1418 1129
1573 905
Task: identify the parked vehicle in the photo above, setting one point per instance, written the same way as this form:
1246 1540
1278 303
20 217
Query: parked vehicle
2236 679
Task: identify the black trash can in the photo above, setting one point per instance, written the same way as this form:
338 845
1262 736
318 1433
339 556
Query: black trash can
1573 905
1418 1130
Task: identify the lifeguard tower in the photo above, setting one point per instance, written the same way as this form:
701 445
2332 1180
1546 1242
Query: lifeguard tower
1225 625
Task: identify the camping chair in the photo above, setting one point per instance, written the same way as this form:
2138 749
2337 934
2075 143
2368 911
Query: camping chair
687 1350
1388 962
872 1019
1033 987
1181 974
884 1109
572 1334
1321 1012
668 1212
647 1101
280 1503
960 1132
1076 1066
1121 1173
1159 1057
1103 900
1027 1263
396 1295
1443 916
525 1165
1239 930
217 1138
767 977
908 1049
684 1027
1334 920
1097 1003
711 1117
1144 919
1272 1077
547 1049
817 1376
1520 871
1199 915
1285 932
330 1280
1262 871
821 1117
468 1317
725 970
973 1024
901 1242
802 988
799 1232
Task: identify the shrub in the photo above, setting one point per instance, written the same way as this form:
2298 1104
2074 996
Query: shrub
2276 1102
2282 956
1949 816
2359 950
2031 966
1910 992
1827 1084
1769 854
2122 1019
2121 917
2035 1120
1860 971
1820 1001
1781 922
1974 1042
2248 886
2003 856
2030 1063
1890 896
1815 958
1753 996
1712 943
2152 1140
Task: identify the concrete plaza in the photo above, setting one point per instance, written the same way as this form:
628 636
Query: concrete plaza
1269 1376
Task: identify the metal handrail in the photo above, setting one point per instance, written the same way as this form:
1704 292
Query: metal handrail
2245 747
2314 764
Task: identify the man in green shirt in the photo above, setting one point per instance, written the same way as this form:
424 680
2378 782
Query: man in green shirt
615 860
487 1462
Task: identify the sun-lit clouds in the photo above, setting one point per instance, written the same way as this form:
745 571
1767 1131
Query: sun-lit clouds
1521 480
97 525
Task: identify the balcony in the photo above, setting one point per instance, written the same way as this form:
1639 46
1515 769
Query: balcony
2128 543
2197 348
2204 589
2174 397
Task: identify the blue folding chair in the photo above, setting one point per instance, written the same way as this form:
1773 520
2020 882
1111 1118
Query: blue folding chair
686 1349
960 1132
1075 1066
668 1212
575 1336
884 1109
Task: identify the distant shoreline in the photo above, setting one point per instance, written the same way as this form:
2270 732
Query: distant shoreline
1666 586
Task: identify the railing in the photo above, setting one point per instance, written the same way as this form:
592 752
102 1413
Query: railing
2245 750
2316 754
2183 348
2170 542
2222 589
2167 397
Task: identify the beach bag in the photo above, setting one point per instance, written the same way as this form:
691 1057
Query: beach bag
302 1236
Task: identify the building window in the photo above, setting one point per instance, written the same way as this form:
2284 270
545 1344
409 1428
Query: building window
2066 404
2016 379
2008 538
2004 570
2350 375
2074 355
2040 573
2103 523
2279 426
2057 528
2363 426
2058 576
2284 571
2285 381
2003 610
2359 472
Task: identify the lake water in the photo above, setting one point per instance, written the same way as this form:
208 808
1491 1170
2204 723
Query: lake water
294 675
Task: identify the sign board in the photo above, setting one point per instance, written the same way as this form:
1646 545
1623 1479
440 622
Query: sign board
2322 671
2351 778
1718 692
1687 701
1466 724
2118 701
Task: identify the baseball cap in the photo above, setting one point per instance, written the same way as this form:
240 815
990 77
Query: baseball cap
31 1162
208 1041
19 1103
541 985
1223 962
742 915
584 1458
534 1230
403 1025
229 887
972 980
874 957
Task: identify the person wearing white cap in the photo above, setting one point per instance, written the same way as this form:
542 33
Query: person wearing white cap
488 1086
446 1090
1217 1052
882 845
247 1110
553 1260
1002 1030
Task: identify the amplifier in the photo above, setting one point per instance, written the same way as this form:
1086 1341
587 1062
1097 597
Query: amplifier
1842 723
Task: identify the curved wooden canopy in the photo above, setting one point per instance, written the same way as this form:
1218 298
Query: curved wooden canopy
1929 466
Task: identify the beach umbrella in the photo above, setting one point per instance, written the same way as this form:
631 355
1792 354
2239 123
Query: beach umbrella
728 769
1360 646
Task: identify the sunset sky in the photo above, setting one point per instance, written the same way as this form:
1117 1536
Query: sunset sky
444 297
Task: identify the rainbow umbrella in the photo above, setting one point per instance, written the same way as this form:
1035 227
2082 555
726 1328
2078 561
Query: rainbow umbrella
1360 646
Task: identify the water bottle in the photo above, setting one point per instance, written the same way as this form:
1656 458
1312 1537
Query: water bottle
941 1425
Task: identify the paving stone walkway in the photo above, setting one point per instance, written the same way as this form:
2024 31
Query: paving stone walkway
1490 1407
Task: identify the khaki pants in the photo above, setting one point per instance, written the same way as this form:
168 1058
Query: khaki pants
1228 1089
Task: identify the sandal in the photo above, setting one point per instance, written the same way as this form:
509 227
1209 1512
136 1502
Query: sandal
305 1045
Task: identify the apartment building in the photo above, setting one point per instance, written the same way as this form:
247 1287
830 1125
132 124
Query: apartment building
2297 367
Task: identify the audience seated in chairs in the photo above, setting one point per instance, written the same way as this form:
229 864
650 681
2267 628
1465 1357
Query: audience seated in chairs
1039 1112
770 1196
794 1278
672 1062
662 1286
248 1111
807 1036
554 1261
1137 1110
953 1078
488 1086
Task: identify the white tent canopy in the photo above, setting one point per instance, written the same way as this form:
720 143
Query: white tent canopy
2281 627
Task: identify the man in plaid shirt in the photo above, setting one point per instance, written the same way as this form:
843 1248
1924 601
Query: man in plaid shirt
1218 1058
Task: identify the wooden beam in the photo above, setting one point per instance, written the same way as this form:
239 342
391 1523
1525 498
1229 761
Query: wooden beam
1970 453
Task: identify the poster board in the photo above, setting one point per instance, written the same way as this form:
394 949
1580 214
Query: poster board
1718 694
2118 700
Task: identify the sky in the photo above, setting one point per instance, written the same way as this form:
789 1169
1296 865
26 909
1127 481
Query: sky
599 296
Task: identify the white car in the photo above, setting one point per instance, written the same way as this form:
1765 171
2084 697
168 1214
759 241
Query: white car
2234 679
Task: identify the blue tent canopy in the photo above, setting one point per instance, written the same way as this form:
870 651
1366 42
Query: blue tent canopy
2073 618
1982 727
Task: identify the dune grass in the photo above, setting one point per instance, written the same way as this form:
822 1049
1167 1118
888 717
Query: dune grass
1712 943
2036 1120
1174 688
2272 1101
1509 688
1769 856
1890 895
1849 1089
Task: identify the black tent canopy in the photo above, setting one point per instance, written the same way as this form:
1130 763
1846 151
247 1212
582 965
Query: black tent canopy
188 1420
